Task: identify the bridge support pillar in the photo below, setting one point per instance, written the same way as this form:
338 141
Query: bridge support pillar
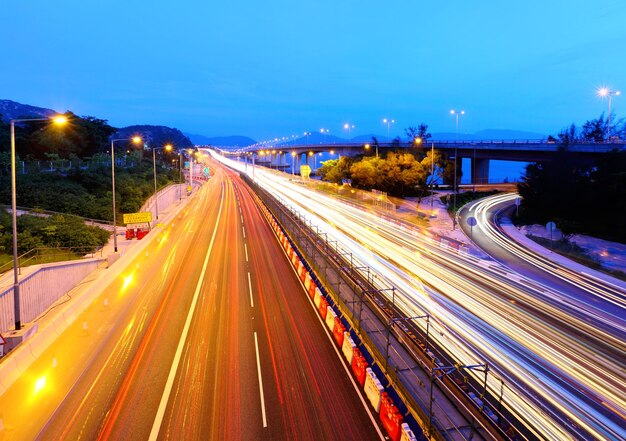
480 171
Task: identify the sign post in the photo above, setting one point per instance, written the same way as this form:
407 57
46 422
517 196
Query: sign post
471 221
550 226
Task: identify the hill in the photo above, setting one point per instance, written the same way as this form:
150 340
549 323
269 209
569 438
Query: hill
221 141
13 110
156 136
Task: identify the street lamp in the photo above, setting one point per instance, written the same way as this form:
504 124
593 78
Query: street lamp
135 140
167 148
324 132
293 163
605 91
349 128
456 113
388 122
59 119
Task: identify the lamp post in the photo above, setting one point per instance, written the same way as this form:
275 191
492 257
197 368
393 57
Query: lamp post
293 163
348 127
456 113
135 140
167 148
605 91
388 122
324 132
16 286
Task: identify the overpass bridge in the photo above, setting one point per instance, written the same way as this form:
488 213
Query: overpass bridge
480 152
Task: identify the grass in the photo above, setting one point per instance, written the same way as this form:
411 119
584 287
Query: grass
576 253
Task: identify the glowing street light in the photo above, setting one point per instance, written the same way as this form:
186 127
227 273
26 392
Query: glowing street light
324 132
456 113
59 119
135 140
388 122
348 127
167 148
606 92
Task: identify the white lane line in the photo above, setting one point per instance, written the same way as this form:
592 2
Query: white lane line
158 419
250 288
258 365
242 219
244 231
245 247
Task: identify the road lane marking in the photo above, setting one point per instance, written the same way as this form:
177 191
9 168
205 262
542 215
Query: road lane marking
250 288
243 229
158 420
258 365
245 247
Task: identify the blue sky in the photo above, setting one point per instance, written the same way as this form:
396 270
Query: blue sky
280 67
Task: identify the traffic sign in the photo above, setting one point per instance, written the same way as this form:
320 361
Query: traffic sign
471 221
137 218
518 201
551 227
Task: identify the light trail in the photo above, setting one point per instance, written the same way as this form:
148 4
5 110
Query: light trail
566 373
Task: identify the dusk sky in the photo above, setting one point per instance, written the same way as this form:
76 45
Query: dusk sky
280 67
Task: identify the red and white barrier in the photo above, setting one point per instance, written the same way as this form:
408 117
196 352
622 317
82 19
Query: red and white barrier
307 281
407 433
312 289
323 308
373 389
318 298
339 331
359 366
348 347
391 417
331 316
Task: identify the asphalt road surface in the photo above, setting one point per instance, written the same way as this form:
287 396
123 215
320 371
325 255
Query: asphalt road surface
208 335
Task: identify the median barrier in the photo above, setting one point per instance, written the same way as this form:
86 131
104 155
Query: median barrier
323 307
407 434
391 417
318 298
373 389
331 316
307 281
348 347
359 366
339 331
312 289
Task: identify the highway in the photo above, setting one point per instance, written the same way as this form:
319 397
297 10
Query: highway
207 335
564 376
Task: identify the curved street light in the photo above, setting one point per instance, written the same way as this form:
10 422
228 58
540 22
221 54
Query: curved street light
456 113
606 92
135 140
59 119
388 122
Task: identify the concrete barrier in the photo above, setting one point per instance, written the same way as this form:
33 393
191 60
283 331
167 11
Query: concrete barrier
338 332
318 298
359 366
323 307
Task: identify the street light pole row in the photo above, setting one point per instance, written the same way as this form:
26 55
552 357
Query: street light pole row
59 119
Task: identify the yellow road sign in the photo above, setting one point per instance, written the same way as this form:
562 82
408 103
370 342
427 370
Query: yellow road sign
137 218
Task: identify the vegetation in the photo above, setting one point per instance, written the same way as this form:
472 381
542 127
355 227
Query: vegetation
57 231
578 195
67 169
406 171
464 198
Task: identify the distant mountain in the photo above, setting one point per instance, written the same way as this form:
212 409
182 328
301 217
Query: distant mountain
221 141
156 136
13 110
